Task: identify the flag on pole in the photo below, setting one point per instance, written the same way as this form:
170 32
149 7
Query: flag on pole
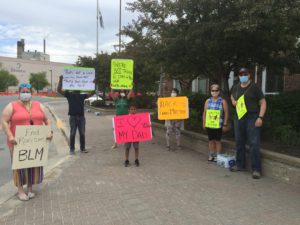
100 19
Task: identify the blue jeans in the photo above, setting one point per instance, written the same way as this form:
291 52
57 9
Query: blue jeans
246 132
77 122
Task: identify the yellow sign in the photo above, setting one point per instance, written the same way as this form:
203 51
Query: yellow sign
121 73
212 118
32 146
173 108
241 109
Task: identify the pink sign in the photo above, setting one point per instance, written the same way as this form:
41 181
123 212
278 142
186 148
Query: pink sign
132 128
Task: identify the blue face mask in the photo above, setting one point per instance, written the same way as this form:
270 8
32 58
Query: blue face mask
244 78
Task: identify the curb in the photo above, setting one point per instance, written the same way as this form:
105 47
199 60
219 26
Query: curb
275 165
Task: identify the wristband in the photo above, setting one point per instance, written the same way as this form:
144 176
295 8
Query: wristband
260 117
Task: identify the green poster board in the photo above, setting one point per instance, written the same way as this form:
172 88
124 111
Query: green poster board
121 73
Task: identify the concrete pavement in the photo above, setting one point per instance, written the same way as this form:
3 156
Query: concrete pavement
169 188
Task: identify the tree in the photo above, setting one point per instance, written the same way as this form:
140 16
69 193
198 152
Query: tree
6 80
38 81
210 38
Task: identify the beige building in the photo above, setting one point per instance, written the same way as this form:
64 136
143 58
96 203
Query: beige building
22 69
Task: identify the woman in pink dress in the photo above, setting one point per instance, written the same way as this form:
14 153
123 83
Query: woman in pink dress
24 112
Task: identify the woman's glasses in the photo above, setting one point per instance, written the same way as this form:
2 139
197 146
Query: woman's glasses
214 90
25 85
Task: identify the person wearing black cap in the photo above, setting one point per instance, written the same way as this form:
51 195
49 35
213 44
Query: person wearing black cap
251 105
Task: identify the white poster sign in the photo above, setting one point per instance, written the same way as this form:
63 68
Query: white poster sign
78 78
32 146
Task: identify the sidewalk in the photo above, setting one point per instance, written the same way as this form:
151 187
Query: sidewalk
179 188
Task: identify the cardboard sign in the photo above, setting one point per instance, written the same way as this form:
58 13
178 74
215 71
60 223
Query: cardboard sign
121 73
78 78
32 147
212 119
173 108
240 107
132 128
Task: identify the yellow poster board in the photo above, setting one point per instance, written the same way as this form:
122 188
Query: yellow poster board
32 147
173 108
241 109
121 73
212 118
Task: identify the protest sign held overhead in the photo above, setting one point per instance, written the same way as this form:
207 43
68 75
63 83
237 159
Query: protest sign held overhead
32 146
121 73
173 108
132 128
78 78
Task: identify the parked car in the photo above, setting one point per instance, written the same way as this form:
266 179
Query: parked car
91 99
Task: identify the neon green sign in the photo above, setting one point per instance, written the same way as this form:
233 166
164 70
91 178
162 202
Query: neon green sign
121 73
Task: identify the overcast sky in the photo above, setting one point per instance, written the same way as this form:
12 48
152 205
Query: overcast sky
69 26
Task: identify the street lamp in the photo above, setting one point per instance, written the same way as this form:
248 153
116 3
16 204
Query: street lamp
51 78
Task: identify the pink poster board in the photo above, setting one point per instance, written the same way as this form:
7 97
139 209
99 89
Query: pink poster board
132 128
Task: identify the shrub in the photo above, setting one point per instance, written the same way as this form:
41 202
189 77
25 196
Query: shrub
282 118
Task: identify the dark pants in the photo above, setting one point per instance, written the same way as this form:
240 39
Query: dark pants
247 133
77 122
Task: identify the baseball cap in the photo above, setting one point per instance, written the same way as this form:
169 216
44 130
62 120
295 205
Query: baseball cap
243 70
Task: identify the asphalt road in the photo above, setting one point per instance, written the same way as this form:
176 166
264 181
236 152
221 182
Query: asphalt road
5 161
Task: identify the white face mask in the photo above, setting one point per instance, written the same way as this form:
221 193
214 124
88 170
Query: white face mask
122 94
173 94
25 97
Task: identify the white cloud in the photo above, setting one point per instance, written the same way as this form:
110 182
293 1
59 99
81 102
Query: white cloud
68 26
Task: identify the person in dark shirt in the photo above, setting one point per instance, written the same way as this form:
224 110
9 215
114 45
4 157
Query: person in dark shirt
76 116
251 105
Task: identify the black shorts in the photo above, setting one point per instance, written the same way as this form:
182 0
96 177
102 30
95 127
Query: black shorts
214 134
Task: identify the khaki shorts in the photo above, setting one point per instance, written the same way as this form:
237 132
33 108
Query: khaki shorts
127 145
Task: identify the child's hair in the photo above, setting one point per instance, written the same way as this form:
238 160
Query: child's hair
176 90
216 85
132 104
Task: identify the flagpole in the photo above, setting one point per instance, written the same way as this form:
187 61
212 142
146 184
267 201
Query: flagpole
120 21
97 25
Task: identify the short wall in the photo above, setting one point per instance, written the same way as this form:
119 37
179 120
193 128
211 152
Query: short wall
282 167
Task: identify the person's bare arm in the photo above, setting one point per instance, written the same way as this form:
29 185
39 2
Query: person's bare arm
59 86
204 114
226 115
47 121
5 122
262 111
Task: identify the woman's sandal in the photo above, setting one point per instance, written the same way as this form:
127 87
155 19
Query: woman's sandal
23 197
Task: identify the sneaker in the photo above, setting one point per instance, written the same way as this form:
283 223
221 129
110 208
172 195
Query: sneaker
31 195
84 151
137 162
72 152
211 158
168 147
236 169
256 175
114 146
126 163
179 147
